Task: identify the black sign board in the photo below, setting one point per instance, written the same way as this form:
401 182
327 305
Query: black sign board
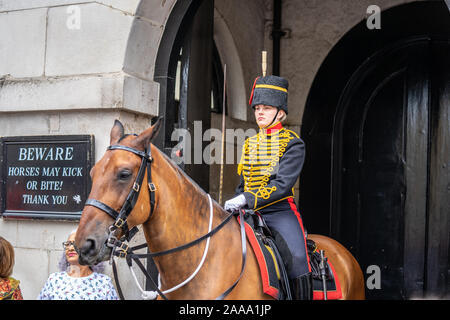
45 177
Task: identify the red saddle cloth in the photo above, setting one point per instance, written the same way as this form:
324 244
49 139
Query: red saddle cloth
270 275
266 262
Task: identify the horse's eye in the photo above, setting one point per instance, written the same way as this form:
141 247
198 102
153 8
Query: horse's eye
124 175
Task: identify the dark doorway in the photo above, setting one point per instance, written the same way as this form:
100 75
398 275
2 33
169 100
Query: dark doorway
382 155
383 133
194 112
184 69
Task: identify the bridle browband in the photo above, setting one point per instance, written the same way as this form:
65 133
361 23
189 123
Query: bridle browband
122 250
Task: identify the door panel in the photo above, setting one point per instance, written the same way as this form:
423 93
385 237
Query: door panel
194 112
417 157
384 171
382 185
392 207
438 249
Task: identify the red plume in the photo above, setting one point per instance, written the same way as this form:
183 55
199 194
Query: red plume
253 90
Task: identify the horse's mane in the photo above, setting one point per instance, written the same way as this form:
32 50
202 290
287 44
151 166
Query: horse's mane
174 166
187 182
183 175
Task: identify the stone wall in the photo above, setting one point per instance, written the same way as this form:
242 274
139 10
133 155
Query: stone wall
63 75
315 27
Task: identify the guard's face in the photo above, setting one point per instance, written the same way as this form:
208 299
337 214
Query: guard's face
265 114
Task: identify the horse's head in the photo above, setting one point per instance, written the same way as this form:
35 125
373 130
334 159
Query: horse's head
113 178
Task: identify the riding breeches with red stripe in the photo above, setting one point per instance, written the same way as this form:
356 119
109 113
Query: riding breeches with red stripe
286 225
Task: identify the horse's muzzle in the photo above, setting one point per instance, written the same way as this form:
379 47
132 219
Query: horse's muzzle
93 252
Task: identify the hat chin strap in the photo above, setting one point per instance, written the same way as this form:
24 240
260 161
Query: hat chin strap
273 120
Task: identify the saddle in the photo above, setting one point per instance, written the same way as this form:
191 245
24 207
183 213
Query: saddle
273 273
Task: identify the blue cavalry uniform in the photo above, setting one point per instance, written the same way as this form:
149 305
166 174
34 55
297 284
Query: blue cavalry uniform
270 165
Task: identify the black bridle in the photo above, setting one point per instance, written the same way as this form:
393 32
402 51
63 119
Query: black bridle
120 218
119 246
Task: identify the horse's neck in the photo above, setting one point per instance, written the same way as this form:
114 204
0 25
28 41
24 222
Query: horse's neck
181 215
182 208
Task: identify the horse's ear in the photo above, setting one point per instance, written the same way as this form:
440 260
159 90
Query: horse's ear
117 132
144 139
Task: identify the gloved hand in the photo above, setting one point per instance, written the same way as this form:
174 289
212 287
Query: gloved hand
235 203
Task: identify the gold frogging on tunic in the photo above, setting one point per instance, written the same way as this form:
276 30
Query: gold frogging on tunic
260 159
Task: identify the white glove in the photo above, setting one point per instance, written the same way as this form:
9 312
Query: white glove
235 203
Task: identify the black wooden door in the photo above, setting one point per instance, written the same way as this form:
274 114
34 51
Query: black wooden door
437 281
195 91
386 152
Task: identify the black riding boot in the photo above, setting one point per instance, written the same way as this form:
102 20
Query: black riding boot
301 287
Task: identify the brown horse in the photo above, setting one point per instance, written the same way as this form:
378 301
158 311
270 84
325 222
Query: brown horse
181 214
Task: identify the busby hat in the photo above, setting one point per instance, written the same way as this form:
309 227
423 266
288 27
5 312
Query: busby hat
271 91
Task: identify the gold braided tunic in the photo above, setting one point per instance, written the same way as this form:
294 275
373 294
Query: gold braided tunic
270 164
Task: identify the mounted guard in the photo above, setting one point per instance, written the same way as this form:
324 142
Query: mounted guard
134 183
270 165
